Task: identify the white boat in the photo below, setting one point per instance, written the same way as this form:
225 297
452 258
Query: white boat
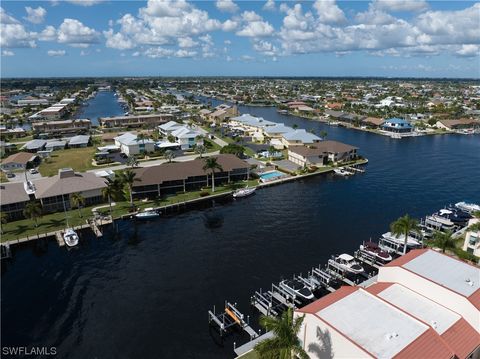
375 251
468 207
333 123
411 242
70 237
148 213
441 219
244 192
347 263
342 172
298 288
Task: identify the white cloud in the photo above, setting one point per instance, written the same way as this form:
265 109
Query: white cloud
117 41
35 16
469 51
185 53
8 53
230 25
185 42
269 5
254 26
48 34
400 5
56 53
227 42
74 33
328 12
226 6
247 58
84 2
265 47
13 33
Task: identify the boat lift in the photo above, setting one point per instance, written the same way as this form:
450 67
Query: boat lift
367 258
229 318
334 269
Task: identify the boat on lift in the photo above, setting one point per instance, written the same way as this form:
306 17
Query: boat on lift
298 288
374 250
70 237
347 263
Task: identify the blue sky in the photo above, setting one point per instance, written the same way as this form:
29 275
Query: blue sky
392 38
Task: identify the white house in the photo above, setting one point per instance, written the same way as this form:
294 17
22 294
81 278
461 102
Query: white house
187 137
131 145
167 128
299 137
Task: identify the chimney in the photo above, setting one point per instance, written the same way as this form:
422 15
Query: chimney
66 172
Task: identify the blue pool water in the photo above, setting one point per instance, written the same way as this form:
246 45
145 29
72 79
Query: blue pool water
271 175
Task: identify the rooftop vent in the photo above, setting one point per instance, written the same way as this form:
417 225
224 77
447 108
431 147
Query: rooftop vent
66 172
391 336
469 282
434 324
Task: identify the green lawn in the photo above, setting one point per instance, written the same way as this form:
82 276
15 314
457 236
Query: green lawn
80 159
3 177
55 221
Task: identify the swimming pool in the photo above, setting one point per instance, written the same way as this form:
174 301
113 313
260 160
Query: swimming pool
267 176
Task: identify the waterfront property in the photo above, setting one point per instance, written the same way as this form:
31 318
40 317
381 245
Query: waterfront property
460 124
150 121
13 199
397 125
185 136
54 192
79 141
412 310
472 243
172 178
222 112
299 138
321 153
131 145
20 161
66 127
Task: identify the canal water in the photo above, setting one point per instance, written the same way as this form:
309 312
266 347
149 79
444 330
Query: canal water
145 293
104 104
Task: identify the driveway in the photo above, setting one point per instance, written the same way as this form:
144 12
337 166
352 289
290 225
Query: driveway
20 177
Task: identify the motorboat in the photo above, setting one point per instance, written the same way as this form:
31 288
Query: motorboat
70 237
456 217
438 223
243 192
342 172
468 207
347 263
148 213
374 250
394 244
298 288
333 123
443 218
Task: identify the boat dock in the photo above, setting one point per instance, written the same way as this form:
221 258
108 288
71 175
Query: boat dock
229 318
5 251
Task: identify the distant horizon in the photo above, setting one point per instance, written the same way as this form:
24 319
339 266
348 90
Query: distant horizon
228 38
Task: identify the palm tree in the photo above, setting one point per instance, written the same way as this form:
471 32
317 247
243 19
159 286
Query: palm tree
285 343
141 137
108 192
78 201
271 152
128 178
200 149
212 165
33 210
444 240
132 161
169 155
4 220
403 226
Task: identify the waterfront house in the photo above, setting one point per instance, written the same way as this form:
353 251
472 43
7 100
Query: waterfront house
66 127
460 124
34 145
167 128
373 122
150 121
299 137
172 178
413 310
276 131
20 161
321 153
397 125
222 113
13 199
79 141
131 145
187 137
54 112
55 192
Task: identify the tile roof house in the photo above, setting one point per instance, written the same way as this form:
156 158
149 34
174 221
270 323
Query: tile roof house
20 161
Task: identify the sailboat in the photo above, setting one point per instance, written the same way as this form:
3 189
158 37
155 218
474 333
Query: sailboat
69 236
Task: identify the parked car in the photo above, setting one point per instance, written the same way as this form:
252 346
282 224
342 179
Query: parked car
33 171
10 175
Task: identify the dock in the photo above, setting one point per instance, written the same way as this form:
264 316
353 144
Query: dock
59 238
229 318
5 251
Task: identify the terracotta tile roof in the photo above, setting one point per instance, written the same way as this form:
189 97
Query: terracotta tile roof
406 258
462 338
475 299
378 287
429 345
328 300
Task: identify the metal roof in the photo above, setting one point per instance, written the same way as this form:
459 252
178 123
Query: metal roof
451 273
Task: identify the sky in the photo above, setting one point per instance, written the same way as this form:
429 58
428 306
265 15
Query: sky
386 38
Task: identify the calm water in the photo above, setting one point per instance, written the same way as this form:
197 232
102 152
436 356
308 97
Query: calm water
104 104
146 293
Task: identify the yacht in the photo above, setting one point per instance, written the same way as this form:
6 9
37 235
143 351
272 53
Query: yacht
148 213
244 192
456 217
394 244
468 207
347 263
374 250
70 237
438 223
298 288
